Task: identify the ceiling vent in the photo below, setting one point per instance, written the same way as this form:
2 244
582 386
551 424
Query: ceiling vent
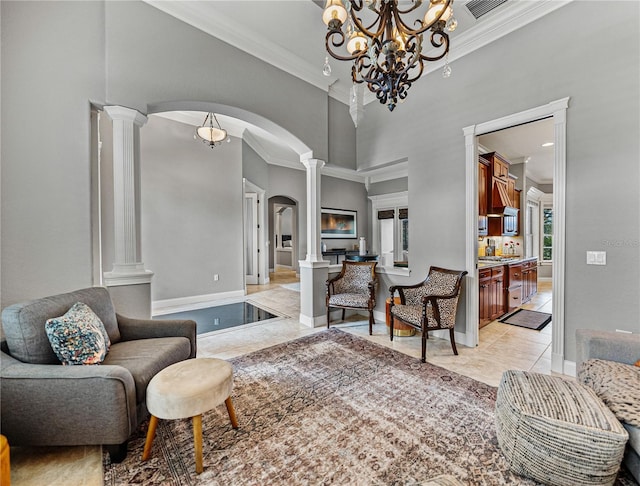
480 7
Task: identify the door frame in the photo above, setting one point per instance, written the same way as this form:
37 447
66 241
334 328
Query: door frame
294 233
558 110
262 264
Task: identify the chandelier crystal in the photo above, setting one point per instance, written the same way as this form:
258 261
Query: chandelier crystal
209 133
387 52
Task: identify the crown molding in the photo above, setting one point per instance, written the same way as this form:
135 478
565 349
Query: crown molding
396 169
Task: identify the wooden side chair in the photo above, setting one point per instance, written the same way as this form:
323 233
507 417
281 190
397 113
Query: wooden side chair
353 288
428 305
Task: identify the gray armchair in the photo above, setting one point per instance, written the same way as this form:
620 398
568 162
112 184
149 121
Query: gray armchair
47 404
618 348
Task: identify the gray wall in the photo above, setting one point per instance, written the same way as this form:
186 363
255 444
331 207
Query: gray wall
563 54
191 211
389 187
342 136
341 194
48 78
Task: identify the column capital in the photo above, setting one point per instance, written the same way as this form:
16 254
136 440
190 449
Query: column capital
313 163
121 113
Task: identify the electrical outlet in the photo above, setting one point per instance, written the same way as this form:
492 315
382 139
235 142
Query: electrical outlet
216 277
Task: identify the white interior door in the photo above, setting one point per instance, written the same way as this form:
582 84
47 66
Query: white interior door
251 226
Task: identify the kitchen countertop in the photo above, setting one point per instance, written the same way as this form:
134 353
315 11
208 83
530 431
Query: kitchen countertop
504 261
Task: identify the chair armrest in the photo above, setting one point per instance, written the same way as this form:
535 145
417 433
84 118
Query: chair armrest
131 329
608 345
66 405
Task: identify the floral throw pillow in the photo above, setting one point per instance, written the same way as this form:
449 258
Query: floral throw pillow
78 337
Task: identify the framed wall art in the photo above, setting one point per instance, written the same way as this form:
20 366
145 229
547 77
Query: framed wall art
338 223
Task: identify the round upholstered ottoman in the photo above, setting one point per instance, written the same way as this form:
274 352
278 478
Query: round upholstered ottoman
557 431
188 389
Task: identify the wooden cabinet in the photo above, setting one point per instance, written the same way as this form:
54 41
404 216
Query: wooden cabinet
500 167
529 279
498 292
485 296
492 294
511 191
514 287
483 185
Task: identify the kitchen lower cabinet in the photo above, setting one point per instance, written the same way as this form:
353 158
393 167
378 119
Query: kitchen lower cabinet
514 287
529 279
492 294
485 296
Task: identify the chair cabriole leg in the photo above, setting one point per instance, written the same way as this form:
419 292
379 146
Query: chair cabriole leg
425 335
391 327
452 337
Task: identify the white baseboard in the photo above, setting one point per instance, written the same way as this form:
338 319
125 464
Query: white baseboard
180 304
309 321
569 368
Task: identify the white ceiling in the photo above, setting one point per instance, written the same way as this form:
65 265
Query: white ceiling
525 141
290 35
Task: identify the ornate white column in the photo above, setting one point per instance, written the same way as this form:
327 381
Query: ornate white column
313 270
127 269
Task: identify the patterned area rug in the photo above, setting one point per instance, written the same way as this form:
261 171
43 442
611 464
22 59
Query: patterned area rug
332 408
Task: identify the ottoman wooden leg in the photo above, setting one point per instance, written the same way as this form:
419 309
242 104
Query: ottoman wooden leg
232 413
151 433
197 440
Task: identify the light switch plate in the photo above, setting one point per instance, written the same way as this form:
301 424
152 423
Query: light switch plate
596 258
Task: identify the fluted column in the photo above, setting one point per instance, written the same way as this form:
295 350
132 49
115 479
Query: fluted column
127 267
313 270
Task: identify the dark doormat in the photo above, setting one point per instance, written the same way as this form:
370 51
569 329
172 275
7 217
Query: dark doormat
526 318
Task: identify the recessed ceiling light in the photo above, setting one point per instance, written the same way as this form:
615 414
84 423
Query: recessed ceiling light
547 144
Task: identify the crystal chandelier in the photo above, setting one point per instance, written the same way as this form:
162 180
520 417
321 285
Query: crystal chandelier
210 134
387 53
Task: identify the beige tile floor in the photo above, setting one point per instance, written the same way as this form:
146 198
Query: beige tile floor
502 347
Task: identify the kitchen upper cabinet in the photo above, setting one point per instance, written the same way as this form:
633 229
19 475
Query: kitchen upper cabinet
511 190
483 206
500 166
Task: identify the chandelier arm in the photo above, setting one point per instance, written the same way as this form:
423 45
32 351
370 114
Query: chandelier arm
339 33
402 26
382 19
444 42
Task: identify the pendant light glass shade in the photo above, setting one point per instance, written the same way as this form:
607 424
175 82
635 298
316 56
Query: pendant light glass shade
209 133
